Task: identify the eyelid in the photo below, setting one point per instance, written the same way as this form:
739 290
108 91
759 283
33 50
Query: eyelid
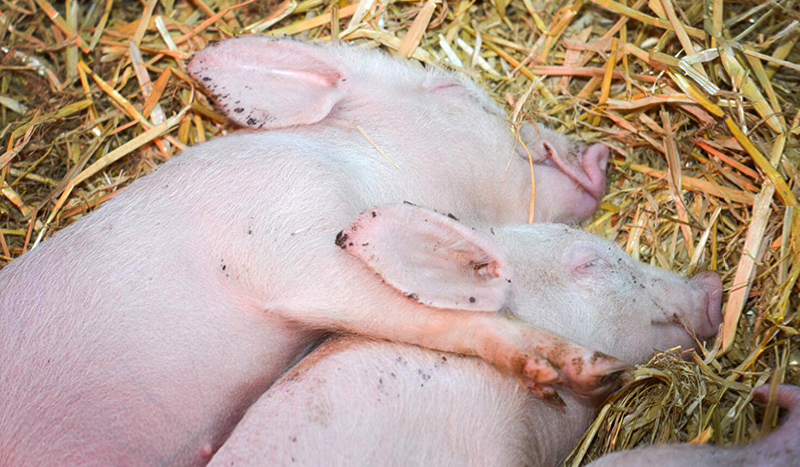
439 83
595 262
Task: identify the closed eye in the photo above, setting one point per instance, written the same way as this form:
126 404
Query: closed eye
449 84
594 264
441 84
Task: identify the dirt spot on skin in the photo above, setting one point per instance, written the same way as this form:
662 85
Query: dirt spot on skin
555 400
341 240
557 353
293 376
577 365
599 356
518 363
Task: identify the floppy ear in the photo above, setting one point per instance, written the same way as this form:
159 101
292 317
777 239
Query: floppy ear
430 258
263 83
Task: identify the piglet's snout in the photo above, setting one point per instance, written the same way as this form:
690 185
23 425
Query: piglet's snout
595 163
710 283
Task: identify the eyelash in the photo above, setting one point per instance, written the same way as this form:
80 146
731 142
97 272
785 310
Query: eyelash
446 86
596 262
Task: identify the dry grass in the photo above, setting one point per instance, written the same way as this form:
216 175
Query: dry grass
699 102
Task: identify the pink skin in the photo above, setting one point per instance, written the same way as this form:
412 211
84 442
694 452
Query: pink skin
361 402
778 449
561 163
219 270
315 92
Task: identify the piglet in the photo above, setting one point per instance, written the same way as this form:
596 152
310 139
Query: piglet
142 333
363 402
779 449
434 127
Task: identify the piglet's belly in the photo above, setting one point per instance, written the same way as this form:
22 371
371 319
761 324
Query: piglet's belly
360 402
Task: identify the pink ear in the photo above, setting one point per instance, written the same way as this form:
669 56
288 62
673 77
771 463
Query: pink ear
430 258
264 83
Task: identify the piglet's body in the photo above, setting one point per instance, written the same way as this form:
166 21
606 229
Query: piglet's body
361 402
355 402
141 334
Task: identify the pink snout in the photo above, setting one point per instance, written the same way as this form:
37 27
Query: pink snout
595 162
711 283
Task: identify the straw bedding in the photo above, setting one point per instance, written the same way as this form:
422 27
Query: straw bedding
699 103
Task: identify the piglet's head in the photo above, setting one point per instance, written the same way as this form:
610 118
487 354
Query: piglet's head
435 261
568 281
604 297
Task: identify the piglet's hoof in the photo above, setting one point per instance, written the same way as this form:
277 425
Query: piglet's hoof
541 360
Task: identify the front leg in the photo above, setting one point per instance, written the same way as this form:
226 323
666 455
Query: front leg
537 358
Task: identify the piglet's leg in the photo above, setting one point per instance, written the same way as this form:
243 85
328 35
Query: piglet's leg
586 371
537 358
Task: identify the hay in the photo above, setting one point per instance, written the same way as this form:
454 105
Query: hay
698 101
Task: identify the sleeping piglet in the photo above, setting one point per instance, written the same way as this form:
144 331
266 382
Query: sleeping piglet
434 131
142 333
356 401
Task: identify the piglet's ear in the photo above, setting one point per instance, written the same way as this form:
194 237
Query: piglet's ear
430 258
264 83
